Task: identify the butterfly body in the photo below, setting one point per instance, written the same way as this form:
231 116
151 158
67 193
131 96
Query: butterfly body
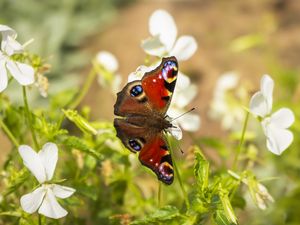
142 123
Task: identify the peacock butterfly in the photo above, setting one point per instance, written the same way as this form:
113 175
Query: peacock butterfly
142 123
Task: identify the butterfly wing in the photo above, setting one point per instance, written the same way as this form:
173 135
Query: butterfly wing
132 136
142 104
152 148
132 100
152 93
159 84
156 156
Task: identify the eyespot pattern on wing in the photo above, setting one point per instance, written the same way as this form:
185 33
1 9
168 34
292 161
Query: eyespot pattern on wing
135 144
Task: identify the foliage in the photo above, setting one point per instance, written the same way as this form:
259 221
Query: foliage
111 185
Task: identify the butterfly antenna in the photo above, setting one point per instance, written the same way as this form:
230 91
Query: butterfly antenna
192 109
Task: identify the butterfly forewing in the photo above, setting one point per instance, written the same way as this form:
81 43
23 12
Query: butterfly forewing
159 84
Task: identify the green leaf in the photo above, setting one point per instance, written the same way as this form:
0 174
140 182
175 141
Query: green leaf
226 205
221 219
80 122
11 213
17 179
164 214
201 169
77 143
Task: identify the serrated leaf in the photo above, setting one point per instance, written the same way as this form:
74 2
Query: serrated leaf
221 219
77 143
161 215
226 205
201 169
80 121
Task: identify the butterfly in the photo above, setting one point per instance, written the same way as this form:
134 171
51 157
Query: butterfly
142 122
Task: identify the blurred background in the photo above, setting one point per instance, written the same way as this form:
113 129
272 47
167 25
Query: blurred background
250 37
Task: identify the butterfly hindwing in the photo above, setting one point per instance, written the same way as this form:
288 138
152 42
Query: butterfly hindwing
132 136
152 148
156 156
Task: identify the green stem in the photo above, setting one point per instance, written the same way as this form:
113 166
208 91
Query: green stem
179 179
159 193
241 141
83 91
80 95
9 133
29 119
40 219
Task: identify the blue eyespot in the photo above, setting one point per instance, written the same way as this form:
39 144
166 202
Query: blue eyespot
136 90
135 145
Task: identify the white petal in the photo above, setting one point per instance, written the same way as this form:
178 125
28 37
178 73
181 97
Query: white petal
259 105
33 162
184 48
183 81
227 81
278 139
50 207
283 118
140 71
32 201
6 32
184 97
190 122
48 156
62 191
153 46
175 131
116 83
3 76
108 61
161 24
23 73
266 88
11 46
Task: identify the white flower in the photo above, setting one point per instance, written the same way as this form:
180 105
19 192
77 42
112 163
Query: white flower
107 60
42 166
274 125
184 93
224 105
108 70
163 41
23 73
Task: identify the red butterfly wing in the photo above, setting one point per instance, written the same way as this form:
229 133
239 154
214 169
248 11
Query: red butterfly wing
155 155
159 84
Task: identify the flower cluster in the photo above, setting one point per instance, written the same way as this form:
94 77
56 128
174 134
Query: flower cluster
22 72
